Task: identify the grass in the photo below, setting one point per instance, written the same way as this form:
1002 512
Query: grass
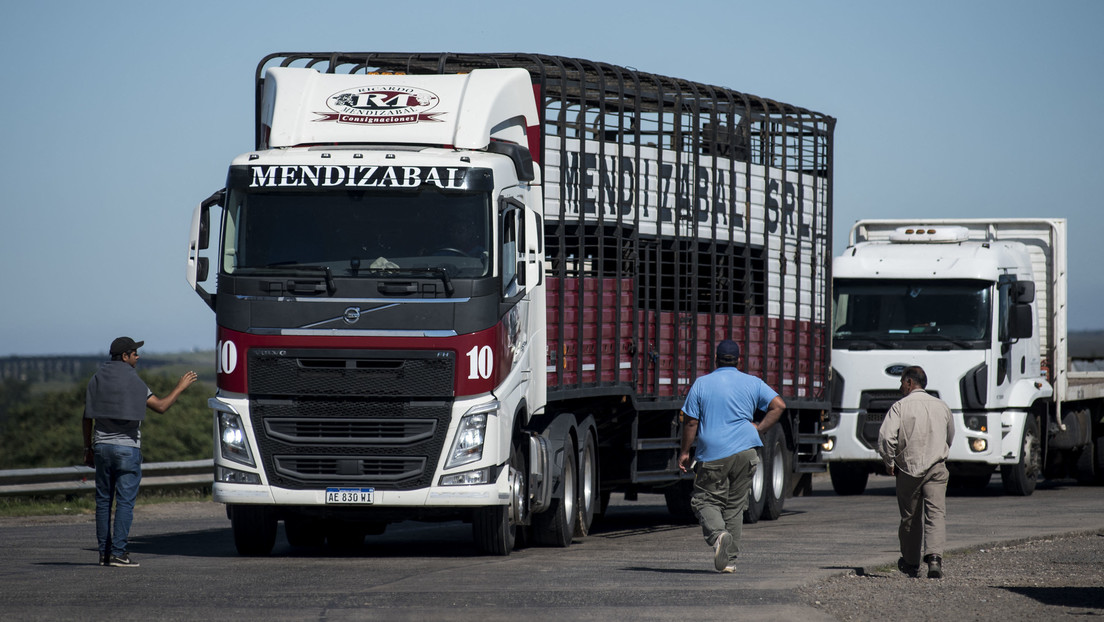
75 505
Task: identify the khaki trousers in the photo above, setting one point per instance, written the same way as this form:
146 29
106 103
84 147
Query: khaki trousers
721 496
923 504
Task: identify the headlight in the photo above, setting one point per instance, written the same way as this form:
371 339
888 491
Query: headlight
467 478
232 439
470 435
233 476
976 423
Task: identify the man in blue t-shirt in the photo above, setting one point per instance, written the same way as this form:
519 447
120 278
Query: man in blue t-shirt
718 413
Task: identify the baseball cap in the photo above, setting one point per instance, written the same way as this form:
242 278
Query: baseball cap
124 344
728 349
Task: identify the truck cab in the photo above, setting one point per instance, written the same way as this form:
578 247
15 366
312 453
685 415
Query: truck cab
379 272
962 306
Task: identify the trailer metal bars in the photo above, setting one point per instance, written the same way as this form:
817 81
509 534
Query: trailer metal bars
688 291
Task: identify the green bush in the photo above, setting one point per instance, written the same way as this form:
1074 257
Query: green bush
44 431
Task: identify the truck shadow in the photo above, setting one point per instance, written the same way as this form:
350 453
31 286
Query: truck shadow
1065 597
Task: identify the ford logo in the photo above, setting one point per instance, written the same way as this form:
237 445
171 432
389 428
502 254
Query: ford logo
895 370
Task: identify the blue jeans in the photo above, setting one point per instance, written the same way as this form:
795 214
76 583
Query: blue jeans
118 473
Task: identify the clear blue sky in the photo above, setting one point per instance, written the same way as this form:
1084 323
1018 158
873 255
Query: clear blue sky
117 118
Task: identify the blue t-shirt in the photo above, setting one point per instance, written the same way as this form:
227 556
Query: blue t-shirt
724 403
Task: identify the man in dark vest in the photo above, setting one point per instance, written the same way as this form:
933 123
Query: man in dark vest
114 408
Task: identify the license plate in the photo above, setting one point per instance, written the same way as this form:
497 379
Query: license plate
350 496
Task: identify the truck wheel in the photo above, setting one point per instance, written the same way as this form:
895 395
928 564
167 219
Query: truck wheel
777 477
1090 464
1019 479
589 487
678 501
304 532
556 525
344 536
848 478
495 528
492 530
254 529
757 493
973 481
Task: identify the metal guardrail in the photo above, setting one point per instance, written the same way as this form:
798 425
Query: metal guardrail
76 479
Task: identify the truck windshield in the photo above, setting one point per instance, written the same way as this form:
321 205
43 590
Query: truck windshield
358 233
885 312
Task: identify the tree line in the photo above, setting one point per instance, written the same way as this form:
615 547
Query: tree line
42 428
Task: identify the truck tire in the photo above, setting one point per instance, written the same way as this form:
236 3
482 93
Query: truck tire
254 529
678 501
1090 465
1019 479
757 493
304 532
556 525
972 481
590 488
495 529
492 531
343 536
777 476
848 478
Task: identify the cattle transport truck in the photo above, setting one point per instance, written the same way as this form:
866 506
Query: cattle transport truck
478 287
981 306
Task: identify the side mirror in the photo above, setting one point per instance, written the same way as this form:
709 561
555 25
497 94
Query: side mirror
1023 292
200 239
1020 322
203 231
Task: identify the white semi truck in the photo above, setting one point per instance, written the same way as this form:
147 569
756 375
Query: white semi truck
980 304
478 287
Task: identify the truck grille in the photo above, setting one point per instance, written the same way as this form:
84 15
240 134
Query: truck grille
416 375
350 418
876 404
343 469
392 444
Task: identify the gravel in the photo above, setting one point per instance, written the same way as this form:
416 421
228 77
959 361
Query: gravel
1037 579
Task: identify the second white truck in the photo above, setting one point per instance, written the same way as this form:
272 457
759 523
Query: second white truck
980 304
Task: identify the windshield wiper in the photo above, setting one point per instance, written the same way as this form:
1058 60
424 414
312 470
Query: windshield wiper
965 345
866 343
439 272
863 341
286 267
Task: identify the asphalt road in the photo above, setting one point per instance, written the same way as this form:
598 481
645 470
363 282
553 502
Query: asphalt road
636 564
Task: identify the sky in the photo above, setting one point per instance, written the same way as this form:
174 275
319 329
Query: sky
118 118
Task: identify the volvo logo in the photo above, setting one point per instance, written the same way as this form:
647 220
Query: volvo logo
895 370
352 314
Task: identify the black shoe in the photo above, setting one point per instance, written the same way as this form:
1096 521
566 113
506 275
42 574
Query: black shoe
103 558
122 561
935 566
908 569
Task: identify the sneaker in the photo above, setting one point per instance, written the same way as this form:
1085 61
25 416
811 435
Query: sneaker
720 551
103 558
729 569
908 569
935 566
122 561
